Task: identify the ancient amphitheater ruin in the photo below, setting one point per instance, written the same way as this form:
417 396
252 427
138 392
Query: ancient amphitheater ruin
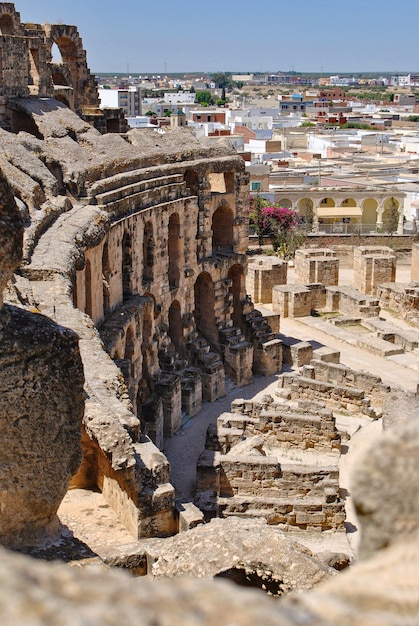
127 319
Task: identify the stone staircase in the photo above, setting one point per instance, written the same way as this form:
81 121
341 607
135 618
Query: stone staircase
209 363
266 344
123 194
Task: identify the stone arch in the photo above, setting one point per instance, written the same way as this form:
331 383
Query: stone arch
285 202
176 327
127 266
389 205
222 228
236 275
129 343
369 214
174 249
306 210
73 56
349 202
148 252
204 294
7 25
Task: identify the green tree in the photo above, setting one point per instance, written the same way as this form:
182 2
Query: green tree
223 79
204 97
392 222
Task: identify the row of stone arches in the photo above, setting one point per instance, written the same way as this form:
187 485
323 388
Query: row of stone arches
370 211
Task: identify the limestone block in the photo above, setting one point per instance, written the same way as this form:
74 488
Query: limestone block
41 408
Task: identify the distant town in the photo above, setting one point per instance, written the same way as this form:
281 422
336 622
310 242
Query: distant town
297 133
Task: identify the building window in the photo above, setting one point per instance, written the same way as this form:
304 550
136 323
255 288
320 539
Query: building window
255 186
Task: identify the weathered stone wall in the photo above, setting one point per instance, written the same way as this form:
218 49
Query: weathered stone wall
318 265
402 299
372 266
27 68
244 470
262 275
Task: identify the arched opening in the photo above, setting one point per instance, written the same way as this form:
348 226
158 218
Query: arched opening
391 215
349 202
369 214
205 308
175 327
174 250
106 277
89 295
285 202
306 211
222 229
129 344
217 182
327 202
127 265
148 253
236 276
56 54
7 26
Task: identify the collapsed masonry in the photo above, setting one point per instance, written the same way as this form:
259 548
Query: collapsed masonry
278 459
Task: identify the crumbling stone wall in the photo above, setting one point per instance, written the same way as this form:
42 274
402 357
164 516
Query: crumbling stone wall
318 265
245 470
27 68
373 265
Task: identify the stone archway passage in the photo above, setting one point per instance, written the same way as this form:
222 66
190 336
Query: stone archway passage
175 327
222 229
236 276
174 250
148 250
204 308
127 265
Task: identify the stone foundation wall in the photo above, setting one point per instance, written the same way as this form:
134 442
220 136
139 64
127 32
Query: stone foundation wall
372 266
263 275
319 265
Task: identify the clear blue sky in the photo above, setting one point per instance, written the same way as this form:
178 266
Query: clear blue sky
239 35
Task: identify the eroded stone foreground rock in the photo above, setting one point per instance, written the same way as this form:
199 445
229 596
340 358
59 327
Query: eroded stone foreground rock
248 552
40 410
380 591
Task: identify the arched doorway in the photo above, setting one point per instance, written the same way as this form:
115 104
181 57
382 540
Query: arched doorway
148 253
174 250
391 215
175 327
222 229
236 276
284 202
126 265
205 308
369 214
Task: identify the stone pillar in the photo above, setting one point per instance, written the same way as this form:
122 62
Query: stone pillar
373 265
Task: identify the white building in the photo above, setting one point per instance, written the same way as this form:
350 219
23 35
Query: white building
127 99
